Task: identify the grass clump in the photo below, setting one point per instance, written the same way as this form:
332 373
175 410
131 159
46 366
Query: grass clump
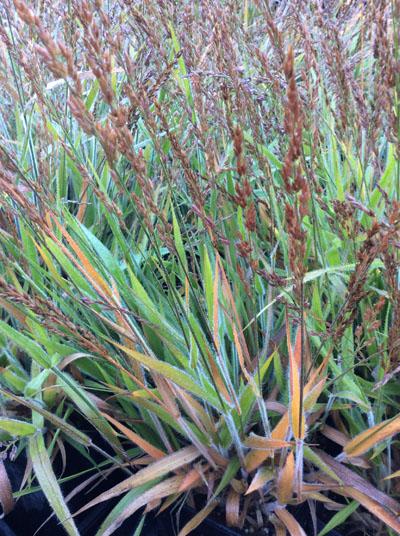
200 209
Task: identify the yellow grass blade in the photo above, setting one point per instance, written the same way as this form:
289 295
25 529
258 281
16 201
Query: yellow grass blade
263 475
198 518
49 263
317 496
167 503
311 396
215 308
393 475
171 373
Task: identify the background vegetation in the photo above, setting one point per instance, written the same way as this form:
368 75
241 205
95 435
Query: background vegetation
199 226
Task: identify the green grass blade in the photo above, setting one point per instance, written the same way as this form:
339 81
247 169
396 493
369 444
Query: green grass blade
48 482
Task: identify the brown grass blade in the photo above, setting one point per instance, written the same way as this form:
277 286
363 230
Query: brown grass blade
6 496
280 529
232 508
357 483
14 311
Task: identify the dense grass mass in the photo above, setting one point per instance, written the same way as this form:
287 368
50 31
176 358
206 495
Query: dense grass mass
199 228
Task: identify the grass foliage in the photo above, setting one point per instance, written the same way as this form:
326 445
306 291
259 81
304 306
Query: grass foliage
199 228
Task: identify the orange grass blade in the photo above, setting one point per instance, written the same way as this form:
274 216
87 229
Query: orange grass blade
297 347
154 452
252 383
259 442
286 480
151 505
256 457
234 310
6 496
167 395
82 201
192 477
218 379
296 405
382 506
307 488
90 271
371 437
319 372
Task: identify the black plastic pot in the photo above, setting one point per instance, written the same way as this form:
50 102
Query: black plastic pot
25 522
32 510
